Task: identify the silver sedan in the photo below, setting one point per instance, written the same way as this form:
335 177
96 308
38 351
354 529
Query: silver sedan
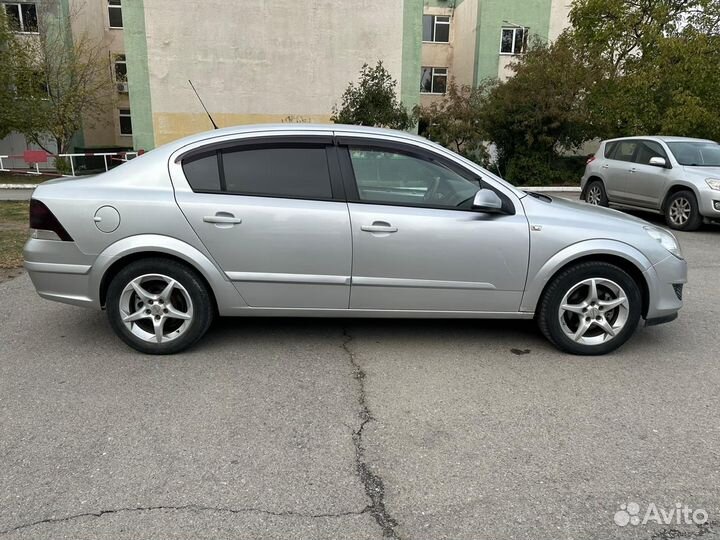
340 221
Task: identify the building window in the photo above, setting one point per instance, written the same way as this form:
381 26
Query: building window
115 14
125 122
436 28
433 80
120 68
514 40
22 17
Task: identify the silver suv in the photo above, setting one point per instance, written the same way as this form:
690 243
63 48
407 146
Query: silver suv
675 176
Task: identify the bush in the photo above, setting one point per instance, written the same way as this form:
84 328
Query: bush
536 169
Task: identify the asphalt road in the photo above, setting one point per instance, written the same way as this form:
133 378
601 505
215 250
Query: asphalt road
358 428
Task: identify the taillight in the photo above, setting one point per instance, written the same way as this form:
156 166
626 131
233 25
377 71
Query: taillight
42 219
590 160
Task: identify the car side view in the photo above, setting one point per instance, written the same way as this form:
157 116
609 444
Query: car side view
340 221
675 176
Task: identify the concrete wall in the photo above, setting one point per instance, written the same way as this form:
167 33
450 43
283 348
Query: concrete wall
261 60
559 21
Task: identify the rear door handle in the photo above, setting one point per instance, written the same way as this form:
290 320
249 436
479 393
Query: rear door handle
632 170
223 218
606 166
379 227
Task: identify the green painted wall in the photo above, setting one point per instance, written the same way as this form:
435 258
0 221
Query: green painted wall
138 74
534 14
412 39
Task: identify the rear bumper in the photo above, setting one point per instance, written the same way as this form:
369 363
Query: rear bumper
60 271
664 280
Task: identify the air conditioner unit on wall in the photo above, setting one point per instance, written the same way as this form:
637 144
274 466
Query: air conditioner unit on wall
122 87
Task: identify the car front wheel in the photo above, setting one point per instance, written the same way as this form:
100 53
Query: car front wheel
682 212
590 309
159 306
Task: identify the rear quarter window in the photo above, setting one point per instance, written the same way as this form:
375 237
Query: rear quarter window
202 172
610 149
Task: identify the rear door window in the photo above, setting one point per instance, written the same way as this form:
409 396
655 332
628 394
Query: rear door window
291 171
609 149
625 150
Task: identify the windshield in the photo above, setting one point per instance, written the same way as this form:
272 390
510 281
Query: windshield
696 154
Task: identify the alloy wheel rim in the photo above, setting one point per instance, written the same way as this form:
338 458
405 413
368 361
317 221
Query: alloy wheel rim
594 311
156 308
680 211
593 196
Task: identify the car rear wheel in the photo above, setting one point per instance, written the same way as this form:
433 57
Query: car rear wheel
595 194
590 309
681 211
159 306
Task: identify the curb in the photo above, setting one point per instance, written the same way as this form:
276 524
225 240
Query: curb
18 186
551 189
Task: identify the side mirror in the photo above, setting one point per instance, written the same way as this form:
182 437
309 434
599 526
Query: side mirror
658 162
486 200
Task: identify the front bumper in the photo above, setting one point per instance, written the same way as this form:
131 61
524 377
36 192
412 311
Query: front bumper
664 280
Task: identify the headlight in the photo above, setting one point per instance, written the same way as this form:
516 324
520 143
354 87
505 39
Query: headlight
713 183
667 240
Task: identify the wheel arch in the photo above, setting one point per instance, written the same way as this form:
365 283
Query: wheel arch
674 188
592 178
621 255
131 249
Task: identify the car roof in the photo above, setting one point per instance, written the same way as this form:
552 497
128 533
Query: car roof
290 127
663 138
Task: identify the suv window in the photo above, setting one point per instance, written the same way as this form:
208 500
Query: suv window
291 171
393 177
610 148
647 150
624 150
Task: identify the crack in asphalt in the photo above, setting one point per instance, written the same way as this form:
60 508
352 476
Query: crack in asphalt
374 486
187 507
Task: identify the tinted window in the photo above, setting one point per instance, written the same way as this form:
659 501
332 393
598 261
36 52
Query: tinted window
625 150
647 150
390 177
280 172
202 172
428 27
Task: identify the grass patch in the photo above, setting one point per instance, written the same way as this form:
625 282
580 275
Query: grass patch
17 178
13 232
11 246
14 213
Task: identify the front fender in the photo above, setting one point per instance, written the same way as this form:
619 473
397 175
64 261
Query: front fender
225 293
602 247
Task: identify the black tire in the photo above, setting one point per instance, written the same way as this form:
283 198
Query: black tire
596 188
549 319
683 199
190 285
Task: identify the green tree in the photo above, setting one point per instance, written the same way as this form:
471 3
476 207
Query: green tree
654 65
455 121
538 113
373 101
57 81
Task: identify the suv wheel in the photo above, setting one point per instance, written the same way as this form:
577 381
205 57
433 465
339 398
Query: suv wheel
590 309
595 194
681 211
159 306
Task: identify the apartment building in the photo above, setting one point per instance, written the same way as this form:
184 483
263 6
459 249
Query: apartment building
473 40
281 60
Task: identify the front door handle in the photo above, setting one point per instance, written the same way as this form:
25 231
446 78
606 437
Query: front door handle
222 218
379 227
632 170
